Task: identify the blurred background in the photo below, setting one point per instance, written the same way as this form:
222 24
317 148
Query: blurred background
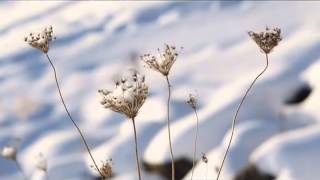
277 135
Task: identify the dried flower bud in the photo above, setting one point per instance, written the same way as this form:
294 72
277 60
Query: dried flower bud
40 40
204 158
42 163
163 62
9 152
267 40
106 169
127 97
192 101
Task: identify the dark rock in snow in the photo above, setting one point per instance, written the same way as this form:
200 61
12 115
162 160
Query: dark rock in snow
299 95
251 172
182 165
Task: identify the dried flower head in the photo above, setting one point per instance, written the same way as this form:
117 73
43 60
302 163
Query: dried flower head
267 40
40 40
106 169
10 151
204 158
128 96
192 101
164 61
42 163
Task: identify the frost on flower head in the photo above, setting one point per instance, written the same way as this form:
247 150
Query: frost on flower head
128 96
268 39
164 61
40 40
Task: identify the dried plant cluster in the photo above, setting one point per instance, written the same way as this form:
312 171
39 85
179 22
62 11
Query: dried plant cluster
267 39
40 40
128 96
106 169
131 92
192 101
163 61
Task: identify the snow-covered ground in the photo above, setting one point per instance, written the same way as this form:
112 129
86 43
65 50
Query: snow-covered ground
97 41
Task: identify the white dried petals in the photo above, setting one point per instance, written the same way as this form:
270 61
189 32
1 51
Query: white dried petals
128 96
163 62
40 40
266 40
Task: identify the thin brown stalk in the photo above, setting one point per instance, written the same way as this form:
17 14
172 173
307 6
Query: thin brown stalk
20 169
169 131
136 144
70 117
195 143
237 112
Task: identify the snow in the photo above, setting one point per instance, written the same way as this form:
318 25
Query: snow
96 43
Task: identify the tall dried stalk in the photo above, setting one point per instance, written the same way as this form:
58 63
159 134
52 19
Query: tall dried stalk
237 112
169 131
195 143
70 117
136 146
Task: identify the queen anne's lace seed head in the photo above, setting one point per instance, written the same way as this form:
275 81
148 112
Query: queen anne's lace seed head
40 40
163 62
128 96
267 40
192 101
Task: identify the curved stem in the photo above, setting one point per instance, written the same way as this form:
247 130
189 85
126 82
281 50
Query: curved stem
69 115
195 143
20 169
136 143
237 112
169 131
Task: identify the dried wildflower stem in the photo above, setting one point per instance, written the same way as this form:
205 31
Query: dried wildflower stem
20 169
195 143
169 131
237 112
69 115
136 144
